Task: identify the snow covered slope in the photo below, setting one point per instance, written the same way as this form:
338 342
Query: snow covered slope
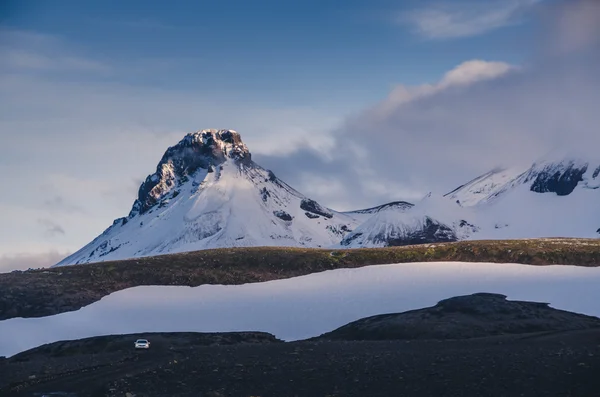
559 176
208 193
555 197
431 220
486 187
558 196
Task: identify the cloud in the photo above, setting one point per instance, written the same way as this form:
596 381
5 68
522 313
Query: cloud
464 18
59 204
576 25
51 228
478 116
24 261
466 73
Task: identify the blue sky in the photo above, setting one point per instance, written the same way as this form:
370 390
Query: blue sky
301 52
354 103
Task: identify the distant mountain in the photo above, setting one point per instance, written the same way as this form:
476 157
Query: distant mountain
560 176
555 197
207 192
431 220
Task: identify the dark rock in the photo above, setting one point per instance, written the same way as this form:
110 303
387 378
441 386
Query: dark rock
264 194
339 230
282 215
465 224
349 239
464 317
561 180
314 207
596 173
194 151
311 216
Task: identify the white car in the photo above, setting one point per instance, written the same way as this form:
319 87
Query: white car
142 344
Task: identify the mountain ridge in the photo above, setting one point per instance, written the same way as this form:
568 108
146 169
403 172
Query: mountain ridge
207 192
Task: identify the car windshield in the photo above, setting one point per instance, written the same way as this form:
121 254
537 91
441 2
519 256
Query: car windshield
141 341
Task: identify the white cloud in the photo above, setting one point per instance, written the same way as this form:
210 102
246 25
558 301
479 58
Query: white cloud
473 71
466 73
464 18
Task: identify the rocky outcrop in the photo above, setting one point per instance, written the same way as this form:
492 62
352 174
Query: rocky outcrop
463 317
561 179
313 207
205 149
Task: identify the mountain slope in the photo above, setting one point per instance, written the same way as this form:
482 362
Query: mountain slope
557 196
561 176
208 193
433 219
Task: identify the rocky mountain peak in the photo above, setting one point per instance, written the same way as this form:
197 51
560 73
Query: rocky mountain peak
205 149
220 143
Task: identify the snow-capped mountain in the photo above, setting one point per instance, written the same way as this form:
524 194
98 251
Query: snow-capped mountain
433 219
560 176
207 192
555 197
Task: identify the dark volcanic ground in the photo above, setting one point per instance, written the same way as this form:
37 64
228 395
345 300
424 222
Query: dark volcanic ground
551 364
464 317
474 345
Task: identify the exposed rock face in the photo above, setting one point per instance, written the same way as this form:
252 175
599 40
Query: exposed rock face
315 208
463 317
561 179
283 215
205 149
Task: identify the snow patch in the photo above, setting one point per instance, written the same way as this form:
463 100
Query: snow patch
306 306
